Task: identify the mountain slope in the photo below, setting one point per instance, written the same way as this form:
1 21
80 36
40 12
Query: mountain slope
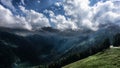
106 59
49 45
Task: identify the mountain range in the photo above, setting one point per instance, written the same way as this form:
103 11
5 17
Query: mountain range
48 45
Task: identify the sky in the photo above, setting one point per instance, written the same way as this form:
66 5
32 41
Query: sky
92 2
59 14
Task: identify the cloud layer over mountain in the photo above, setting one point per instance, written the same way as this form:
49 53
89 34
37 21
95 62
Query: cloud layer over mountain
78 15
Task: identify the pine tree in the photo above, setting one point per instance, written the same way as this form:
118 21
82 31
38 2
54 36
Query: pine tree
116 40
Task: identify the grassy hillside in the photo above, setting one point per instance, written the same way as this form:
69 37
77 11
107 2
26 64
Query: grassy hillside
109 58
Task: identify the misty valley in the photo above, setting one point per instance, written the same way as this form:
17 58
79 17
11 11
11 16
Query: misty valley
50 47
59 33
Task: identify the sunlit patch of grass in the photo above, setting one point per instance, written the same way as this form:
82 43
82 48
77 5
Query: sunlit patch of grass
105 59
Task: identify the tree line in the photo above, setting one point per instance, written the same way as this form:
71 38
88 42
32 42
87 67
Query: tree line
90 51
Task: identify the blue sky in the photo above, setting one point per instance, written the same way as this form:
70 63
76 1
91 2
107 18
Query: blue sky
92 2
78 14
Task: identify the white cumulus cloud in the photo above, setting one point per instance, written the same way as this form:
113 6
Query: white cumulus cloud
78 15
61 22
90 17
8 3
31 20
35 19
7 19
